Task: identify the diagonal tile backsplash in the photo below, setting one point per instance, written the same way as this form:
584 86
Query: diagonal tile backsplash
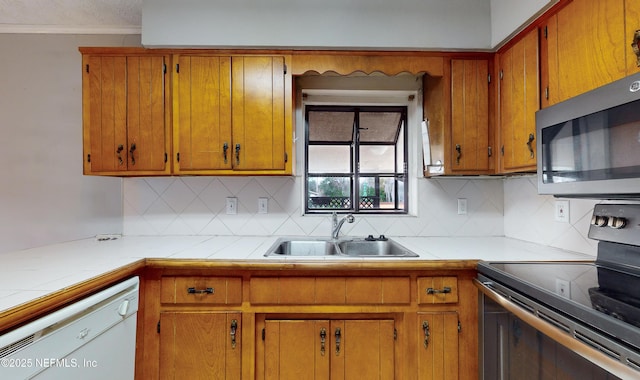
496 207
196 206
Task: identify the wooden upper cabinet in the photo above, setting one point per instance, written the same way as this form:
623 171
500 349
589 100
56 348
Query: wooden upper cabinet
518 102
258 88
125 126
232 115
202 113
470 146
587 44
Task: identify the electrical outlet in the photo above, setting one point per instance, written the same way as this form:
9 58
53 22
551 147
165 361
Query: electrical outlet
562 211
462 206
232 206
263 205
563 288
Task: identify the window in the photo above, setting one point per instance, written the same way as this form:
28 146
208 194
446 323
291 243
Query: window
356 159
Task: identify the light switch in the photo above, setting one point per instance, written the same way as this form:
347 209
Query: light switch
232 206
263 205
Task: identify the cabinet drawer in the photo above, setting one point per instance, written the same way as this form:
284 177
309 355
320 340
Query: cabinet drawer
437 290
330 290
201 290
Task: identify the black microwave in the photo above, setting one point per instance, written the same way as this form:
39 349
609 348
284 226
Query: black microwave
589 145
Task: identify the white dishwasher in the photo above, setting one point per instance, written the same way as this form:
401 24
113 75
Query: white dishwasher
94 338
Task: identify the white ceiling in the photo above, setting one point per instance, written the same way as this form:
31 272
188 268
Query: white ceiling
70 16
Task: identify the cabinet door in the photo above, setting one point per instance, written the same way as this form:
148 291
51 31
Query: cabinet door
322 349
297 349
258 89
438 346
202 113
519 100
125 131
587 46
470 115
632 24
200 345
362 349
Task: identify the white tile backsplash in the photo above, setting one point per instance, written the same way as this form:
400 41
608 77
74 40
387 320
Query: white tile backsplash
508 207
195 206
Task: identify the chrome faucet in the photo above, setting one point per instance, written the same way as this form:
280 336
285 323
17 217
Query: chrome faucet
337 224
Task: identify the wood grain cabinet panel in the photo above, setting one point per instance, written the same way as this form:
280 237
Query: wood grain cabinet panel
126 130
232 114
199 345
330 290
587 44
329 349
438 347
435 290
470 145
519 101
201 290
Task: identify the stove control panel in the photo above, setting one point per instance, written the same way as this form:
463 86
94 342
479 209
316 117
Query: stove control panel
619 223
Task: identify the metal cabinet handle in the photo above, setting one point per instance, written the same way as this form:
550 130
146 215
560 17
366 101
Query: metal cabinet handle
234 328
200 291
323 340
237 154
459 150
338 334
119 153
444 290
131 150
634 45
529 143
225 148
425 329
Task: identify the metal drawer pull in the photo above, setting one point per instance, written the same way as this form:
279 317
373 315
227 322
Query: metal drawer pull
200 291
459 150
225 148
425 328
119 152
444 290
338 334
234 327
131 150
530 145
323 339
237 154
634 45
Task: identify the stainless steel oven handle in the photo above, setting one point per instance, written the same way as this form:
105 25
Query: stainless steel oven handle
607 363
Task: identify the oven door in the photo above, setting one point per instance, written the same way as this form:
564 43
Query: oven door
520 343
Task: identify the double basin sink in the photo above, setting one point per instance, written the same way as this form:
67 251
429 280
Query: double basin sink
346 247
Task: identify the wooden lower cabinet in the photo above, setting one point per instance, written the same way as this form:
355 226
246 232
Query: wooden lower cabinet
329 349
200 345
438 354
344 324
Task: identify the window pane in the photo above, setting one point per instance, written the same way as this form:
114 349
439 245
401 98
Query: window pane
325 126
379 126
329 192
329 158
377 159
380 193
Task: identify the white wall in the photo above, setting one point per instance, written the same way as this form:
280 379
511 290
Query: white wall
44 198
508 16
360 24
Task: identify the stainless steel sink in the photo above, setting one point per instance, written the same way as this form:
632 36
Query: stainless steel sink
384 248
288 247
328 247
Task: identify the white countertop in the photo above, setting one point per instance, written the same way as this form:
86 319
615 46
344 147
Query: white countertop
33 273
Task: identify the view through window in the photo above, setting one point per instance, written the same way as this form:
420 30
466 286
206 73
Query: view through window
356 159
